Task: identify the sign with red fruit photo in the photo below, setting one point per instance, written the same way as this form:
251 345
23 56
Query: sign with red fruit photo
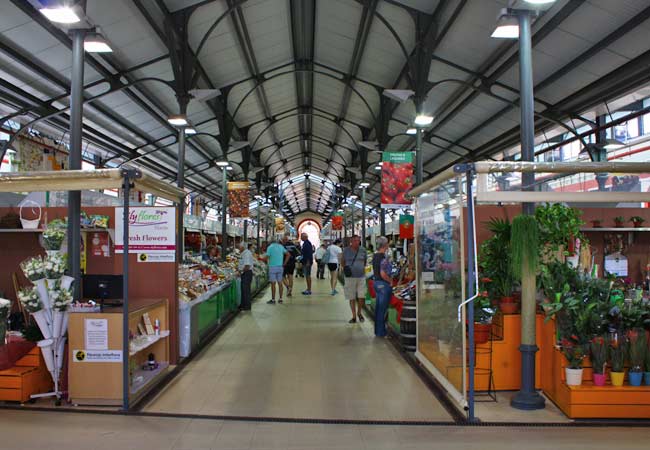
396 179
337 221
238 198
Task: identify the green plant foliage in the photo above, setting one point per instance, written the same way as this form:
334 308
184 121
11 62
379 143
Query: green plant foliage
524 243
557 224
617 354
599 351
494 260
637 346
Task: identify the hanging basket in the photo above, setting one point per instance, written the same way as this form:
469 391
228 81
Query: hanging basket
30 224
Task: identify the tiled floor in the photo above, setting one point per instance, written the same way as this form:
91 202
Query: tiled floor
301 359
62 431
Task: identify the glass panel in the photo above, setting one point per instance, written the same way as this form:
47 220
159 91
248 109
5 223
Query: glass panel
441 282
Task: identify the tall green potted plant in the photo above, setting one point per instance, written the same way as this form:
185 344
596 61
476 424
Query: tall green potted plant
646 375
559 227
495 265
617 353
574 352
599 348
637 345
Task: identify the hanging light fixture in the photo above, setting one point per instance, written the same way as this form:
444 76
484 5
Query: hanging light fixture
364 185
95 42
229 168
411 131
222 163
178 120
377 167
423 120
507 25
190 130
60 12
612 144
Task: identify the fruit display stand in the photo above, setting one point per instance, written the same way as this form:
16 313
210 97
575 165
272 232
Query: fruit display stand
100 382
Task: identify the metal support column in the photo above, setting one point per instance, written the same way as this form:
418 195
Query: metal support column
471 292
259 224
245 230
527 398
382 222
363 216
180 182
266 229
345 224
74 159
419 171
126 188
224 210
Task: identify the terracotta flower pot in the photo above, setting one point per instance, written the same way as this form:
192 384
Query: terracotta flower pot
596 223
637 224
481 333
618 224
508 305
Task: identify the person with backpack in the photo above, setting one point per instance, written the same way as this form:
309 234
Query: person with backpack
353 261
290 265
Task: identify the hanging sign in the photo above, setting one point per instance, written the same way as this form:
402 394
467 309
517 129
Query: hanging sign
152 231
406 227
337 222
396 179
279 224
238 198
99 245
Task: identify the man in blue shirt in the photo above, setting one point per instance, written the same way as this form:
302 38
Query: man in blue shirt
277 256
307 251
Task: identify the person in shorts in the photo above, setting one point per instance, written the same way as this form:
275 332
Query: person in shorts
353 261
307 252
320 263
276 256
290 265
333 257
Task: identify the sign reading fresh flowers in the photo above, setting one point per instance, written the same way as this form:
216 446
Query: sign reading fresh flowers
152 232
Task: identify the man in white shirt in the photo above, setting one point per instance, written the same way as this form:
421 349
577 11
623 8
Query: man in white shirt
320 253
246 262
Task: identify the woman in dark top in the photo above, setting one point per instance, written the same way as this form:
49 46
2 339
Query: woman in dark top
382 269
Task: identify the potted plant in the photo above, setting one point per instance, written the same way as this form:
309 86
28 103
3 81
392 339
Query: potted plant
617 353
619 221
483 313
637 221
637 345
646 375
495 265
574 352
559 227
596 223
598 350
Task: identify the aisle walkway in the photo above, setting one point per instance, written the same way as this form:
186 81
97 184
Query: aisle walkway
301 359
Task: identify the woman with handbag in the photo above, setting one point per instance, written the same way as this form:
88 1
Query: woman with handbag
383 282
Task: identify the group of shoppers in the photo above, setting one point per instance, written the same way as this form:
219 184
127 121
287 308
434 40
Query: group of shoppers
282 256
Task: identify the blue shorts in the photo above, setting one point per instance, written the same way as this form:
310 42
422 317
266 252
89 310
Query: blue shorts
275 274
306 270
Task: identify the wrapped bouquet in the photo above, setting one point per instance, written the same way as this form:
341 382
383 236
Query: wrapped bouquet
33 268
54 266
30 299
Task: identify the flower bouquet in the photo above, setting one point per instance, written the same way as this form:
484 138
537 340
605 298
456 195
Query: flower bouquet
5 307
33 268
61 300
54 266
30 300
53 238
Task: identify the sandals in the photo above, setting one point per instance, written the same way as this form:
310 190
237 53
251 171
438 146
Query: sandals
361 318
352 321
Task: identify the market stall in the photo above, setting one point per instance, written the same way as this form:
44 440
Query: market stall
141 316
590 304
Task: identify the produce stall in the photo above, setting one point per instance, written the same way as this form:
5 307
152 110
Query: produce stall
208 294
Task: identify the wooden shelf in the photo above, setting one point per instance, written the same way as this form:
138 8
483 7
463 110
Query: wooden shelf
147 377
610 229
150 342
20 230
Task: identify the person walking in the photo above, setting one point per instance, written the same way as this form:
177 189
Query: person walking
290 266
307 251
246 270
333 258
353 261
277 256
320 263
382 275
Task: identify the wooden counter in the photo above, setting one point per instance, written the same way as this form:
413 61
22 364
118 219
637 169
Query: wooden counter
100 383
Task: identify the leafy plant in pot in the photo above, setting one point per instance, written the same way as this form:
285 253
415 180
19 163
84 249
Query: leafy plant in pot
646 375
483 313
559 227
575 353
617 353
637 346
637 221
495 265
598 350
619 221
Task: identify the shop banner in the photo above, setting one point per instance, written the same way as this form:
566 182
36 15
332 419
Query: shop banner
337 222
99 245
279 225
238 198
152 231
406 227
396 179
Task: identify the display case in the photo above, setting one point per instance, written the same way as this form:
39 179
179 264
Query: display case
95 357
